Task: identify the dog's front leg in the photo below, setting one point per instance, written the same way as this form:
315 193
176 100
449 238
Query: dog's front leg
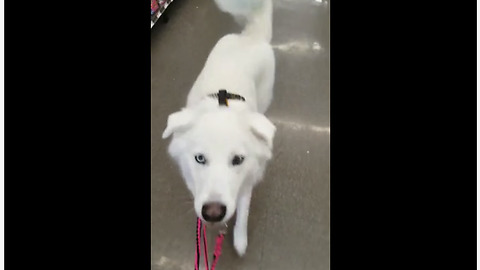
240 231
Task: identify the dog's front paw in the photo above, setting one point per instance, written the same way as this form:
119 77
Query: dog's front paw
240 240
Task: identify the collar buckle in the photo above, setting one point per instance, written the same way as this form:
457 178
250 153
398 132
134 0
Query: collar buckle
223 96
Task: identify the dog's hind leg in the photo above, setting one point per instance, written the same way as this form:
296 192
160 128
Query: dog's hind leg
240 232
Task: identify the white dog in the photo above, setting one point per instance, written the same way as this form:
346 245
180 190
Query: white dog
221 139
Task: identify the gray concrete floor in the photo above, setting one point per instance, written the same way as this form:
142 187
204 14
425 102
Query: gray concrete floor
289 225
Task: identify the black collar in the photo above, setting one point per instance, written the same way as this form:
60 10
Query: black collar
223 96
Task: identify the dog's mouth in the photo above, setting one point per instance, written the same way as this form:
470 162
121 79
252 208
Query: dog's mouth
220 226
217 223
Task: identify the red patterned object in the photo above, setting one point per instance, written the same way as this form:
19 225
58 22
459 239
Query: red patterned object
154 6
157 9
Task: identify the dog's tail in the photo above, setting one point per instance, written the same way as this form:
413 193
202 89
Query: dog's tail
257 13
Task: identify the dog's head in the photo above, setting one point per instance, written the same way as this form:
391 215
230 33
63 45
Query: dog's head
219 150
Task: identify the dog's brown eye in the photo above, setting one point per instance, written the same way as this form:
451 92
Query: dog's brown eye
200 159
237 160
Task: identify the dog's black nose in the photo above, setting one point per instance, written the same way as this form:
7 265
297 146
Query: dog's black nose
214 211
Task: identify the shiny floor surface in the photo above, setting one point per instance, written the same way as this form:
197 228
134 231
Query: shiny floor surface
289 224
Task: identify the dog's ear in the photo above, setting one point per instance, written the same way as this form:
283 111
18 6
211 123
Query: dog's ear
178 121
263 128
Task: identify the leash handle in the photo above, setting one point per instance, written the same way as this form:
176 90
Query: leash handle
197 247
205 247
218 246
218 249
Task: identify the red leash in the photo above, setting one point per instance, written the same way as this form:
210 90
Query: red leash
218 246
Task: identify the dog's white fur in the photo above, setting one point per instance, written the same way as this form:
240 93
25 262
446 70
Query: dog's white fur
243 64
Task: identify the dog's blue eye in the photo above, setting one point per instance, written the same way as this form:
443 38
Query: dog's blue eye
200 159
237 160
